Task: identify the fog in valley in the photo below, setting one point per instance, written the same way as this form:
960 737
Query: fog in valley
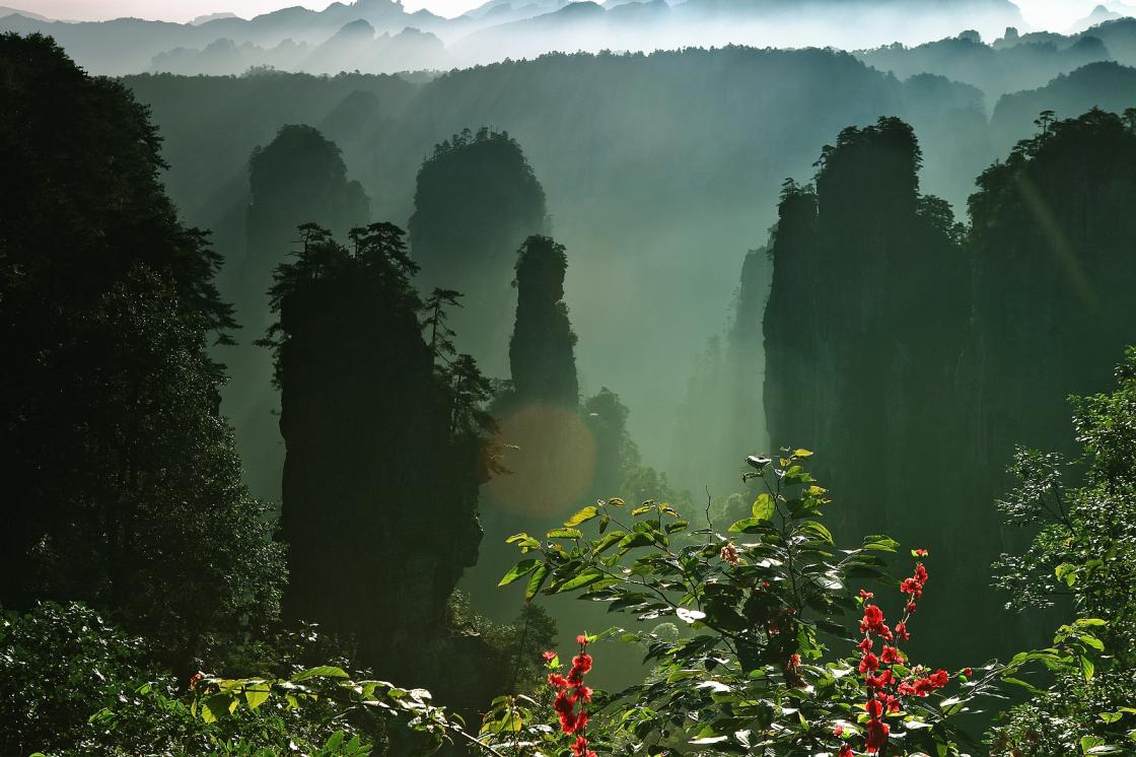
487 270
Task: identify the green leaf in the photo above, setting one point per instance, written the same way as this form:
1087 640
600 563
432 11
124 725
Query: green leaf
216 707
323 671
818 529
536 580
523 568
803 453
1066 572
1089 742
1025 685
707 740
582 516
609 539
588 577
1087 668
763 507
880 543
256 695
749 526
564 533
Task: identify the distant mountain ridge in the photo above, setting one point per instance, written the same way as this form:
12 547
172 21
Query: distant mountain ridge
501 29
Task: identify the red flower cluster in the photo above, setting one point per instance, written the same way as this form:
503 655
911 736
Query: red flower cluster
571 696
884 687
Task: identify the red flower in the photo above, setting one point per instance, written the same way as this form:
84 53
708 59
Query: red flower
921 573
892 703
794 661
557 680
582 662
901 631
940 678
909 608
582 640
968 672
838 731
880 681
865 644
584 693
912 587
890 655
580 747
549 656
875 709
869 662
921 552
877 735
195 679
845 751
873 619
866 595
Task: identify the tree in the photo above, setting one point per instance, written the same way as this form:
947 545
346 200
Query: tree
541 351
616 454
121 478
385 452
864 328
475 201
299 175
773 661
1083 554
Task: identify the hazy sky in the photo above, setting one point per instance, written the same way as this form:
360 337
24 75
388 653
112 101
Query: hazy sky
1053 14
184 10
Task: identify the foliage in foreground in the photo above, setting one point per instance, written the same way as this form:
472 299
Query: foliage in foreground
1083 553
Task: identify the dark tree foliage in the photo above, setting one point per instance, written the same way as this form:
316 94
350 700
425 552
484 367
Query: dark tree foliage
120 478
476 200
385 451
542 350
1081 515
863 329
1052 239
616 454
299 176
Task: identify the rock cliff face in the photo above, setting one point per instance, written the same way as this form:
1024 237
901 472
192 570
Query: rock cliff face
914 358
475 202
297 178
864 327
380 483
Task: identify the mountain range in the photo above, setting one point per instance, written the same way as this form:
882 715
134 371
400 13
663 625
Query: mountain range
375 35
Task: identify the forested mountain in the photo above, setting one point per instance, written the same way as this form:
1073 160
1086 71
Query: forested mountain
863 330
927 377
114 454
653 166
295 365
298 175
995 69
475 201
1109 86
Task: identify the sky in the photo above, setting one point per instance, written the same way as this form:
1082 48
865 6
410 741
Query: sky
1051 14
186 10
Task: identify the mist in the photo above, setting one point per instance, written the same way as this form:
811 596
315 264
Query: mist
361 344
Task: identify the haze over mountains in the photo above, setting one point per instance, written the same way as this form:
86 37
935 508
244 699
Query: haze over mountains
381 36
